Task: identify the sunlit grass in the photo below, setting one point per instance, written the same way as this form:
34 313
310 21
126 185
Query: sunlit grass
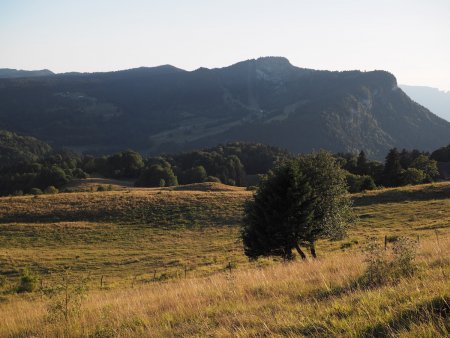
165 256
317 298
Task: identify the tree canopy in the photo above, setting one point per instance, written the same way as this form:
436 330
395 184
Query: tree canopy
301 201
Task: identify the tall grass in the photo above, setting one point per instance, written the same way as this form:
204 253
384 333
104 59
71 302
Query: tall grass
144 241
316 298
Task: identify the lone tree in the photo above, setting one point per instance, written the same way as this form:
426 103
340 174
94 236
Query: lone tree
303 200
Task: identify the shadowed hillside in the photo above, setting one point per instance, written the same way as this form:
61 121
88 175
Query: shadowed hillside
166 109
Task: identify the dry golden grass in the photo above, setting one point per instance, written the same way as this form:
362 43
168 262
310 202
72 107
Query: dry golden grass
142 240
141 234
124 234
317 298
92 184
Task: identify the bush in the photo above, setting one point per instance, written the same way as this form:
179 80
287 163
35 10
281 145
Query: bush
105 187
155 175
78 173
35 191
368 183
195 175
230 181
51 190
404 251
358 183
28 282
412 176
213 179
383 268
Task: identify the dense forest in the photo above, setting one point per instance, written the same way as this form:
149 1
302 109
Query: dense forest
15 148
41 169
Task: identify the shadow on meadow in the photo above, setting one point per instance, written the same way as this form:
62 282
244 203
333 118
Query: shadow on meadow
437 310
133 210
432 192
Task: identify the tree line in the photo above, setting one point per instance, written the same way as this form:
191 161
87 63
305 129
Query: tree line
236 163
399 168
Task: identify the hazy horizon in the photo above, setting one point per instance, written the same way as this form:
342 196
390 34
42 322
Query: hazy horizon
406 38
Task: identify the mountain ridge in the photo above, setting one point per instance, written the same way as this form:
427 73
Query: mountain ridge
438 101
268 100
19 73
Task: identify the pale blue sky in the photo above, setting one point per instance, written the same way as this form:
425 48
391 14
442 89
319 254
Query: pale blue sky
410 38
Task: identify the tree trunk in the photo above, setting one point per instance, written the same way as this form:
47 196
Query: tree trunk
312 249
300 252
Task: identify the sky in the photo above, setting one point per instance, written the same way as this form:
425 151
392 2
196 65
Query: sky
409 38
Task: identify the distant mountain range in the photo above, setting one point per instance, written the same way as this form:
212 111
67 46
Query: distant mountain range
436 100
7 73
267 100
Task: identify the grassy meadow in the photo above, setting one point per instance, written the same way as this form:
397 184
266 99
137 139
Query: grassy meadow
168 262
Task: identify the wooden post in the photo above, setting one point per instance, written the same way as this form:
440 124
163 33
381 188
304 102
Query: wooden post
185 271
154 275
101 282
437 237
230 266
385 243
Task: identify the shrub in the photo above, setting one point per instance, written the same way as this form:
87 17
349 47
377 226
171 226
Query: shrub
412 176
404 251
35 191
79 173
213 179
358 183
101 188
230 181
377 270
28 282
51 190
383 268
154 175
66 299
105 187
195 175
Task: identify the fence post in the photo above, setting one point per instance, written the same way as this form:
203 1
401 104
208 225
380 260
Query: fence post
101 282
385 242
437 237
